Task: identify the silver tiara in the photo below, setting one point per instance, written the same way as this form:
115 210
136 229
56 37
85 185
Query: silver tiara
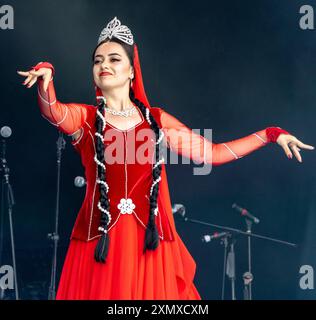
115 29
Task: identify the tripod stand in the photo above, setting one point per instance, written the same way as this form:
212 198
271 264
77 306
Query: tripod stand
7 192
229 259
61 143
229 264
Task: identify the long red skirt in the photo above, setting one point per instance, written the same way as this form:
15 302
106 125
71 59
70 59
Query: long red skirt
164 273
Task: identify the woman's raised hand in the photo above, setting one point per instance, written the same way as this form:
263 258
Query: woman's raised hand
289 142
32 76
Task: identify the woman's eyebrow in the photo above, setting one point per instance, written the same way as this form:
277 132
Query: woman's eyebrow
113 54
110 54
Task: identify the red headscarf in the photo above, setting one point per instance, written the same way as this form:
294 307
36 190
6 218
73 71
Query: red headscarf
137 85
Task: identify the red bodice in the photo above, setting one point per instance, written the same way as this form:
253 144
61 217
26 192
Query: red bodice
128 175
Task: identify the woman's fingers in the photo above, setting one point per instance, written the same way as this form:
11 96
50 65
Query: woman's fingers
36 73
289 141
32 82
23 73
296 152
304 146
296 146
28 79
287 151
31 75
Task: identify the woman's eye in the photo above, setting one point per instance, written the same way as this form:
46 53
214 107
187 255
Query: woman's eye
112 60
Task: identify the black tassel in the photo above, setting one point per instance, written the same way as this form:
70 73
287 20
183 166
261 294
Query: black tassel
102 248
151 236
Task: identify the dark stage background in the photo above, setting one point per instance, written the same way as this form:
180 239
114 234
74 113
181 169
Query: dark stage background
233 66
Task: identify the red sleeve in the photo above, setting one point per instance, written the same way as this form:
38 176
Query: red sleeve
191 144
67 117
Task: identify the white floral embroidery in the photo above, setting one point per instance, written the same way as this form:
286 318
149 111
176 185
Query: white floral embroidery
126 206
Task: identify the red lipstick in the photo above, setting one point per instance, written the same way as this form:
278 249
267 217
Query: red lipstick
105 73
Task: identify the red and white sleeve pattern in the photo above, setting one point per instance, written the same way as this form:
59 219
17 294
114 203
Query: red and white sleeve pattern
67 117
190 144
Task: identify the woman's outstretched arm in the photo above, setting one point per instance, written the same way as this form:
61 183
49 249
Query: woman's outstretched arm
191 144
67 117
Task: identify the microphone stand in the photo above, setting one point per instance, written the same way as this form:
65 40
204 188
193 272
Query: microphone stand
61 143
1 230
248 276
10 203
224 242
229 264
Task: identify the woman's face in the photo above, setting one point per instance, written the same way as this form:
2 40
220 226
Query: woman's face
111 67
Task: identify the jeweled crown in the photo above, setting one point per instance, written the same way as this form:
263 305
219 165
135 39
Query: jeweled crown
115 29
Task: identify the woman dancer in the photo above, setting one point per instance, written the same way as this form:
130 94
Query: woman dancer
124 244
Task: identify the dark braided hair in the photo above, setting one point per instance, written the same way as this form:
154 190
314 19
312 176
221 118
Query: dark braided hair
151 237
102 247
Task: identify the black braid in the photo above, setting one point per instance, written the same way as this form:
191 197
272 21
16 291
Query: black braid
102 247
152 236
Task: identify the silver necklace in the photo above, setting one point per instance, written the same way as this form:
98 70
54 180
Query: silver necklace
124 113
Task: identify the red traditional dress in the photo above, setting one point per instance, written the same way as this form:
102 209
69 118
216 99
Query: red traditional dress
165 273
